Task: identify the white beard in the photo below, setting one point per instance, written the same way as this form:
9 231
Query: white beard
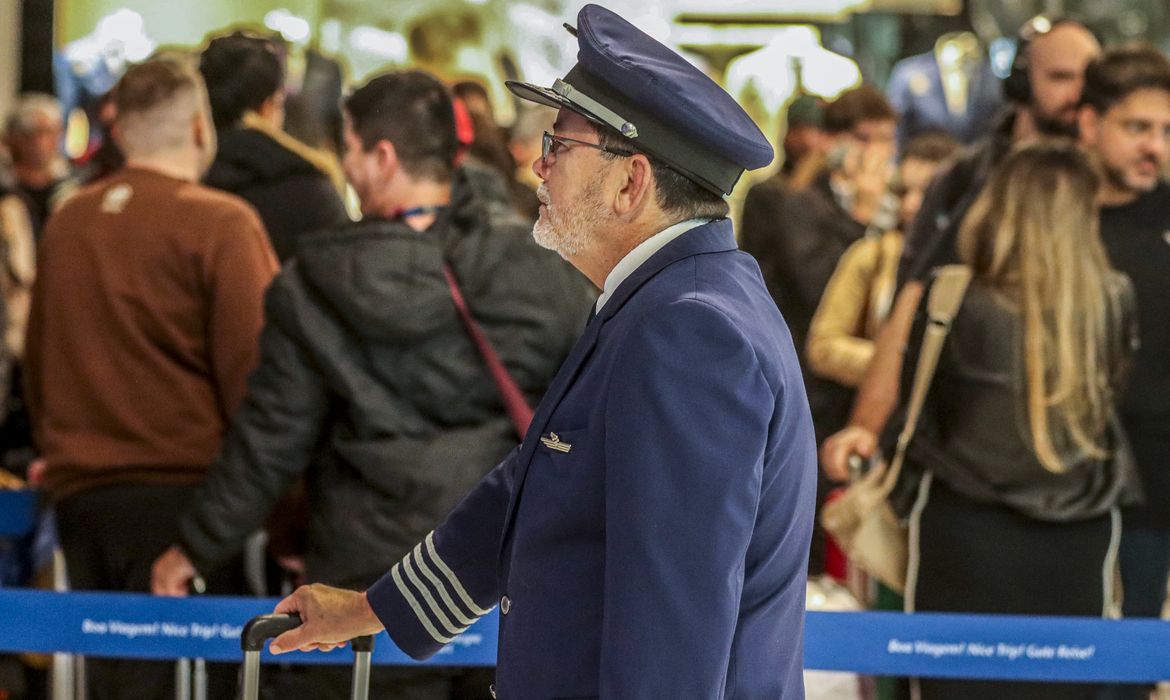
568 228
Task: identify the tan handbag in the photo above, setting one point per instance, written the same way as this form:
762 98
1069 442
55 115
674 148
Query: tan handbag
861 520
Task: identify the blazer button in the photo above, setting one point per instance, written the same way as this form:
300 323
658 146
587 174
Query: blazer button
505 605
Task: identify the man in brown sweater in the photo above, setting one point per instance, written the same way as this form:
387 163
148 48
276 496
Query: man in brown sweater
145 318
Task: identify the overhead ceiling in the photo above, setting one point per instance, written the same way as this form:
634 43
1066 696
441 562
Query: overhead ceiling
394 12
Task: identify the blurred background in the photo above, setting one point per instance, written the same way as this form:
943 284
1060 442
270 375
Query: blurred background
764 51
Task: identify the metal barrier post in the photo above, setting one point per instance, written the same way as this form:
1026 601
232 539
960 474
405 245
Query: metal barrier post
64 681
199 680
183 679
363 649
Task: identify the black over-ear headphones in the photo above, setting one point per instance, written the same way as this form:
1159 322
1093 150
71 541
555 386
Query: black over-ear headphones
1017 86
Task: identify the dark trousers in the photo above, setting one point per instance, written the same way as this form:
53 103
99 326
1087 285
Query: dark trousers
1145 570
988 559
110 537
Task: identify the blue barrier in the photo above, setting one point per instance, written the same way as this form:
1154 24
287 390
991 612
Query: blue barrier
989 646
127 625
927 645
18 512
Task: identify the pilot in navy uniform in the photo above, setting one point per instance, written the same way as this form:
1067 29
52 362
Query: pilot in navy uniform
649 537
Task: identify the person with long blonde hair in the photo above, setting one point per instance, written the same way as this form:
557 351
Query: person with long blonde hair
1022 468
1040 253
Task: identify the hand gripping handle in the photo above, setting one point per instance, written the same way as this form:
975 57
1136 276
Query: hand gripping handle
264 627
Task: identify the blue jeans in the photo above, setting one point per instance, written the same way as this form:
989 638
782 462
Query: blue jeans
1145 569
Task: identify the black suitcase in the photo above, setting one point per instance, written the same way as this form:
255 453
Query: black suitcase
264 627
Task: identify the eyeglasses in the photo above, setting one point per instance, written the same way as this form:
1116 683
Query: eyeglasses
551 145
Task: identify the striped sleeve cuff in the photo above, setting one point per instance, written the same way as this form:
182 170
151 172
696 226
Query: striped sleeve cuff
422 603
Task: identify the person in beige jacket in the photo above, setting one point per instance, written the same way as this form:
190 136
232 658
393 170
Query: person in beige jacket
861 290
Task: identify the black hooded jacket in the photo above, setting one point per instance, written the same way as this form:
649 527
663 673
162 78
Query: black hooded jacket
370 386
292 194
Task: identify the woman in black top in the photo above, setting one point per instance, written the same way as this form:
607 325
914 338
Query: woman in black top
1022 466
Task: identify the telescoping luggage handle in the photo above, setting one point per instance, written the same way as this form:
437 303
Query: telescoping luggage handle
264 627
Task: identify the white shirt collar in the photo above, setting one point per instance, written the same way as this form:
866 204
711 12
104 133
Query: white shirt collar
640 254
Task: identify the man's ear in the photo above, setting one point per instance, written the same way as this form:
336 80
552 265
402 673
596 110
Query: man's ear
1088 122
202 130
637 186
386 157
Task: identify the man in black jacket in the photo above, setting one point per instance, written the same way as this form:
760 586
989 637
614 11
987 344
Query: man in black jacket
294 188
369 384
798 236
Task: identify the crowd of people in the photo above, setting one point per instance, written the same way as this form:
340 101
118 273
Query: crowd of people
166 344
231 330
1040 454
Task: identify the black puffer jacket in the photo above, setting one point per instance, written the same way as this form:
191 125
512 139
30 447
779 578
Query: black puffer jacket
370 385
283 179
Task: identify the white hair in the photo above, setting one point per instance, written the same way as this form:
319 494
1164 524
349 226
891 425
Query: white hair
29 106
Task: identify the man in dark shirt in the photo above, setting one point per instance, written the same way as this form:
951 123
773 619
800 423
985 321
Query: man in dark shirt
1125 123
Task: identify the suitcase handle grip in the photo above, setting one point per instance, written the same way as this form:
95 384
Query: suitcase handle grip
264 627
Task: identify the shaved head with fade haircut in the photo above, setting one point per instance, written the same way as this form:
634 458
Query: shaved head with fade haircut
162 107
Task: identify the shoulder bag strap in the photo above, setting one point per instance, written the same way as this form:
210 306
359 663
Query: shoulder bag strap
945 296
514 402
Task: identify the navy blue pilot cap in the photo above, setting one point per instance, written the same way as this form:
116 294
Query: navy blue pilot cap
648 93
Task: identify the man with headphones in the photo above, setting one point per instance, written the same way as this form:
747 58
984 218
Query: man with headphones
1052 107
1045 90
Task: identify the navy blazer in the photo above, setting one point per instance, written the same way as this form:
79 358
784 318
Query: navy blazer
649 538
916 92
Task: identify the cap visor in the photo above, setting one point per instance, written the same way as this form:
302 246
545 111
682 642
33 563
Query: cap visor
537 94
545 96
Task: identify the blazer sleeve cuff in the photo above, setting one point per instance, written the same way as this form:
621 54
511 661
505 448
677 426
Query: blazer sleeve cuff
422 603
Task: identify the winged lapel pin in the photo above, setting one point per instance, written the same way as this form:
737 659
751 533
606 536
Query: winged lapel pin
553 442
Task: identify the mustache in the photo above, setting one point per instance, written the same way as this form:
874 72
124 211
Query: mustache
542 194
